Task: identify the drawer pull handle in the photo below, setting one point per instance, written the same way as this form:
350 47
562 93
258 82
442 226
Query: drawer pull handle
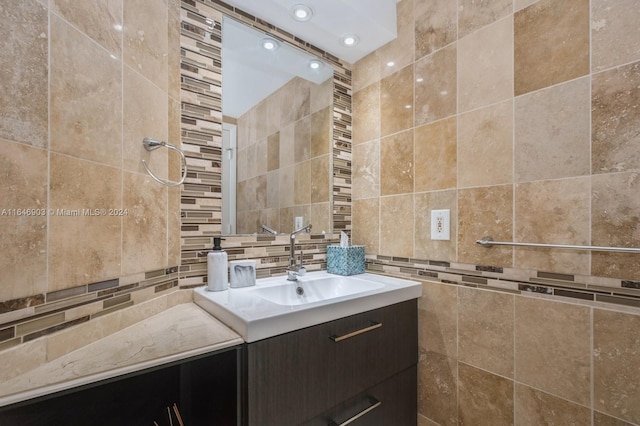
373 326
374 404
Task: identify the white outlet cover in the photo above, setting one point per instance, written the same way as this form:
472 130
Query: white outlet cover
298 222
441 225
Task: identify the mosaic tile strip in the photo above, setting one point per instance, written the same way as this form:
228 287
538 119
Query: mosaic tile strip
201 25
574 287
26 319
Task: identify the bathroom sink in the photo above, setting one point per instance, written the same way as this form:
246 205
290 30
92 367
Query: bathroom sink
275 306
315 289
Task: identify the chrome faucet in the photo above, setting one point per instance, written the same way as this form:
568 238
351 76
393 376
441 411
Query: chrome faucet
294 271
269 230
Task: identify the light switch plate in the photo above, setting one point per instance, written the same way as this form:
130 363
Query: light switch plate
440 225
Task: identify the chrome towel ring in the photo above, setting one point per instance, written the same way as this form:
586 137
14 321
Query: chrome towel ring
151 144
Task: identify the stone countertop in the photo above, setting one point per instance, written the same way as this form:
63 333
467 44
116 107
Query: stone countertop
180 332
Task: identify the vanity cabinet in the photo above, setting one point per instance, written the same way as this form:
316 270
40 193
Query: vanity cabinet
332 371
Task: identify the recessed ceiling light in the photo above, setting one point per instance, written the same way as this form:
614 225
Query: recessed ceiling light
390 63
301 12
350 40
315 64
270 44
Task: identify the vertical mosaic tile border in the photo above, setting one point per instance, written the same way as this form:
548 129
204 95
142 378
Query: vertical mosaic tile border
201 89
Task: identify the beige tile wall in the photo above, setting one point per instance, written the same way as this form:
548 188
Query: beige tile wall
284 164
78 96
521 117
489 358
504 104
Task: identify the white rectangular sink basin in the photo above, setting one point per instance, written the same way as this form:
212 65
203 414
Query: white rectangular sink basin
273 306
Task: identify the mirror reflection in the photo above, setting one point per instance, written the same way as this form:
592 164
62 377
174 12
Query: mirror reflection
276 103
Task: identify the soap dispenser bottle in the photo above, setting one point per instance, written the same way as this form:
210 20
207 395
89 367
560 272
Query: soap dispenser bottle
217 267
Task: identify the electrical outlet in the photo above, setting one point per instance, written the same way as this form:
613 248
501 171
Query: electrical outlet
298 222
440 225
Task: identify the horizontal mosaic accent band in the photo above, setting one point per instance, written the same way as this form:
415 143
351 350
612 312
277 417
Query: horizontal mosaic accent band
25 319
594 289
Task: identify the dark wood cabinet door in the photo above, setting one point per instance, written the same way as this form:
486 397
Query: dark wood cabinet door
289 377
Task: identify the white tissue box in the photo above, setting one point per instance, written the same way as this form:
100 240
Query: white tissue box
242 273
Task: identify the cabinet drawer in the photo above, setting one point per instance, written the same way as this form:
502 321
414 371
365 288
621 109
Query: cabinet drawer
391 403
378 344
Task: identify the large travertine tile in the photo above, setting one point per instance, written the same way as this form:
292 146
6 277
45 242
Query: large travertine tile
435 26
320 179
144 228
553 212
302 183
485 330
400 49
287 141
435 156
553 348
273 189
174 222
302 98
616 354
485 146
366 72
615 222
24 70
396 230
321 96
396 102
83 248
438 388
366 224
438 319
473 14
551 44
273 152
145 115
484 398
365 169
485 66
366 114
287 186
614 33
173 56
615 120
552 132
436 86
23 173
321 130
101 20
146 40
534 407
482 212
85 112
321 218
600 419
425 247
396 164
302 140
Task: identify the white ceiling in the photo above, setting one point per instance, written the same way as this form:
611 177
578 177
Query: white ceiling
250 73
374 21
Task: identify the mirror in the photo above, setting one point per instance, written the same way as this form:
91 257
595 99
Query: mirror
277 109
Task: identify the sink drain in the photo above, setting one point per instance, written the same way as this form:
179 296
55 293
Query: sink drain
299 291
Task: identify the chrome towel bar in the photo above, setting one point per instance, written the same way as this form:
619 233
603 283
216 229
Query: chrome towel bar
151 144
488 242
